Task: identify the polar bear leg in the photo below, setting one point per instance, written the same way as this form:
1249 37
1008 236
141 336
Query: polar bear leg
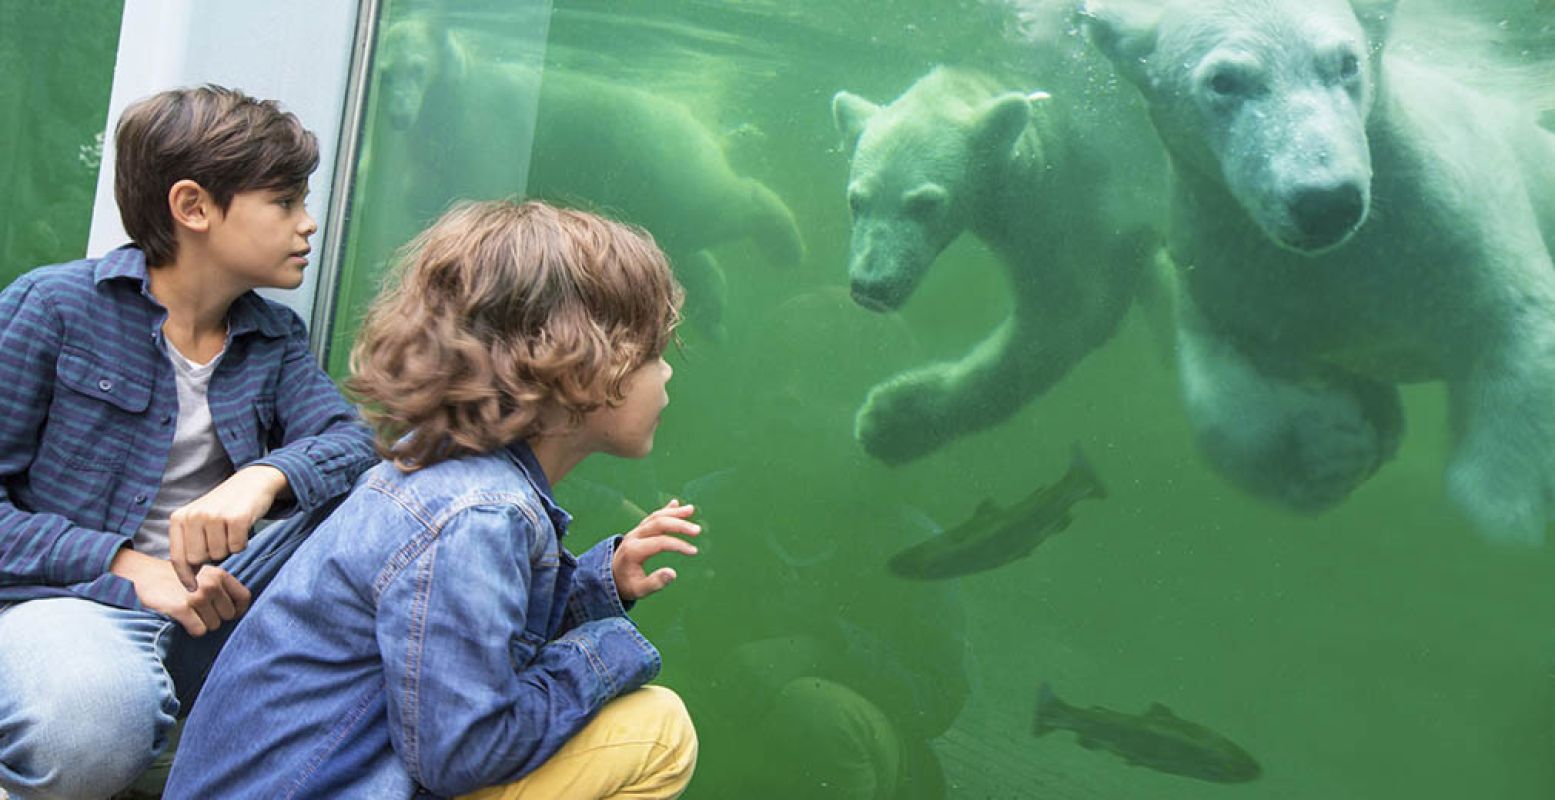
706 291
920 410
1502 471
771 225
1304 443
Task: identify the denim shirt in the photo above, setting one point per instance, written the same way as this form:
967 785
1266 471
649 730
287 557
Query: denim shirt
87 413
431 638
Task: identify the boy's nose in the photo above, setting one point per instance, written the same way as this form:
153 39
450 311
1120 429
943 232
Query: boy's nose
310 225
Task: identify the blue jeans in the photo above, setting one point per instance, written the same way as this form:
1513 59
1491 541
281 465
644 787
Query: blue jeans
89 692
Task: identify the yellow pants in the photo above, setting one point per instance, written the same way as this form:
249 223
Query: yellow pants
641 746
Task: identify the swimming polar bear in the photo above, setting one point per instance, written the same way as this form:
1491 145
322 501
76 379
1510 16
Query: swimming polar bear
460 127
1344 220
960 152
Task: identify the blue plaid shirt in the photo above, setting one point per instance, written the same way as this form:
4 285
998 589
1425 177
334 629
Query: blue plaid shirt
87 412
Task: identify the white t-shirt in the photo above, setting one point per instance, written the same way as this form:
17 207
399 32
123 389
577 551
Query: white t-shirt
197 462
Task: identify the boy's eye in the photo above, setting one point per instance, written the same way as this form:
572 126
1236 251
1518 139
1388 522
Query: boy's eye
292 200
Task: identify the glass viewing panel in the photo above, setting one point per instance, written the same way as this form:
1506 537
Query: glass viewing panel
912 311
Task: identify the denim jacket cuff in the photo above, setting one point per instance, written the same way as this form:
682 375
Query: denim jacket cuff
618 654
594 594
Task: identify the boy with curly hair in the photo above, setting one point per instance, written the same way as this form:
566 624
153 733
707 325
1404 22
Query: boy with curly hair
433 637
153 408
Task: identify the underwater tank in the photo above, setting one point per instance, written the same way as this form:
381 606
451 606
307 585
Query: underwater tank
938 274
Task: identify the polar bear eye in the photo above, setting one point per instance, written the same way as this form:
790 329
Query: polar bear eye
1349 67
924 202
1228 79
1225 83
855 202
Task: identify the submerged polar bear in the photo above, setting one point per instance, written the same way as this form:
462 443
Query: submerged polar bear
1345 220
959 152
461 129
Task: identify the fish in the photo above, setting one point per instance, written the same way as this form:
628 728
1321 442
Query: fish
995 536
1157 739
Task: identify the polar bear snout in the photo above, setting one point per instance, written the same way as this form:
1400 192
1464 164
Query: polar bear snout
888 258
1324 216
880 281
866 296
879 292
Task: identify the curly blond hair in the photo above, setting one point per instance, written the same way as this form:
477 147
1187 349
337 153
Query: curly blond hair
499 311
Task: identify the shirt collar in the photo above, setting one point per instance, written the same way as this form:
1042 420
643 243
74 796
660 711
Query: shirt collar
248 313
525 457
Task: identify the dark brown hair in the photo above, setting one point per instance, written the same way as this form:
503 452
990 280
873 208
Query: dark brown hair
220 138
500 311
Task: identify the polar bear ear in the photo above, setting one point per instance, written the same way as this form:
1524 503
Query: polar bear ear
851 113
1126 40
1000 122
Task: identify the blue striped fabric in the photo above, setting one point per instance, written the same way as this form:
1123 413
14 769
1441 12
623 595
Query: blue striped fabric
88 408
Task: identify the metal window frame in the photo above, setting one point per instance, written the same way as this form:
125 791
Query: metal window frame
347 151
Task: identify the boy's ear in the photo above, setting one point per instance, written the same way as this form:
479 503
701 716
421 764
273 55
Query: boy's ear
190 205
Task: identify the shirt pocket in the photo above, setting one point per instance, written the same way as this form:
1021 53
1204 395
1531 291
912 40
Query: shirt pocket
97 412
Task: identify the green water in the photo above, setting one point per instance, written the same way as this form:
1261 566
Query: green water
1379 650
56 71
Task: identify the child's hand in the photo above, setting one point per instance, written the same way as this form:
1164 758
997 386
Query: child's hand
217 597
217 523
657 533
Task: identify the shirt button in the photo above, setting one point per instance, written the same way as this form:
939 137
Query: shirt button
166 418
105 384
140 499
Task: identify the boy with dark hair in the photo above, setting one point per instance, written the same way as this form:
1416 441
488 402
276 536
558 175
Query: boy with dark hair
153 408
433 637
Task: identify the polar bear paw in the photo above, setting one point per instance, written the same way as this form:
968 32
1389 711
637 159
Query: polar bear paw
907 417
1323 444
1507 495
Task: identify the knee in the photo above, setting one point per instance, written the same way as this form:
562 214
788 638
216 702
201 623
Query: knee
678 756
90 744
78 738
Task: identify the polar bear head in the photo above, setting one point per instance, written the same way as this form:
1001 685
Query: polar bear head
1266 98
412 54
916 164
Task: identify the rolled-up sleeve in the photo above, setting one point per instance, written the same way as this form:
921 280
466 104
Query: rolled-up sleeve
594 594
324 444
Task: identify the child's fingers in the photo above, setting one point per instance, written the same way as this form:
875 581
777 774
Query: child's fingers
657 526
674 509
178 554
644 549
660 578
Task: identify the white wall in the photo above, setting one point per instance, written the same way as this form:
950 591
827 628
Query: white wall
295 51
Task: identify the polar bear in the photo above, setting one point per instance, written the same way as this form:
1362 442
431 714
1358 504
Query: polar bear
461 127
1344 220
961 152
